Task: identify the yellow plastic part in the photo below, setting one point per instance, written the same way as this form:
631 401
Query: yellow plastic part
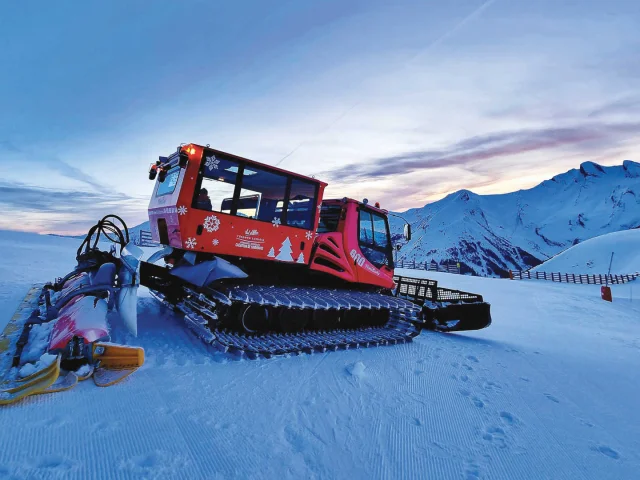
104 377
12 391
115 362
67 382
117 357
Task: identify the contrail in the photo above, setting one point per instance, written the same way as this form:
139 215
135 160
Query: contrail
420 53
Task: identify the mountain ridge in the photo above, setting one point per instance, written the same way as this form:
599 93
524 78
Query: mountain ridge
490 234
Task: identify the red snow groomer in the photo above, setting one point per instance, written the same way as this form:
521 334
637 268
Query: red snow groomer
260 264
255 259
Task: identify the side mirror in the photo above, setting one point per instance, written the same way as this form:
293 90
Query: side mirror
407 232
162 174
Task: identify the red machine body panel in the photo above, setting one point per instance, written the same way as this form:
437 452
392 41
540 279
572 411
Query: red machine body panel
176 221
84 316
339 253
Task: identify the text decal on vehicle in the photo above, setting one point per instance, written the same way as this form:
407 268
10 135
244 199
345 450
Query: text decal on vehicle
357 257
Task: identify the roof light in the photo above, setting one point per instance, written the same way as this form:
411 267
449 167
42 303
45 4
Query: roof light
192 151
365 201
377 204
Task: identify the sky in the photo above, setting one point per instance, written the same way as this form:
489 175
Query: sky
401 102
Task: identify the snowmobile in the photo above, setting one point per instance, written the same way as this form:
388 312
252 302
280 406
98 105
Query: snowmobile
256 262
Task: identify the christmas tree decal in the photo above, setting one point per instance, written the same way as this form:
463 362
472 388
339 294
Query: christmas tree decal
272 253
285 251
300 258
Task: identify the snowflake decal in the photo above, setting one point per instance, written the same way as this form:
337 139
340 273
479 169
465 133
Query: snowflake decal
211 223
182 210
215 242
191 243
212 162
309 235
275 222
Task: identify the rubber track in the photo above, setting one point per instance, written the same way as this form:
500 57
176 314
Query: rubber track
403 324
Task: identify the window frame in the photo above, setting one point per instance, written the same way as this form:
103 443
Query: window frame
238 187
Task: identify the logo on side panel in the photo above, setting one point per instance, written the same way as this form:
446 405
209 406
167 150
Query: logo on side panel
357 257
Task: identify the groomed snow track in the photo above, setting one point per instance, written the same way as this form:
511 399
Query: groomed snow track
199 311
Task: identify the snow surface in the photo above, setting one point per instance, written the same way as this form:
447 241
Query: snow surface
594 255
45 360
550 390
38 342
491 234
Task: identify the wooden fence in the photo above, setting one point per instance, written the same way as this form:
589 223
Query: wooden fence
429 266
597 279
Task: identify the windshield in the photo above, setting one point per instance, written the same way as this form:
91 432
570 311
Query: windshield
374 238
169 185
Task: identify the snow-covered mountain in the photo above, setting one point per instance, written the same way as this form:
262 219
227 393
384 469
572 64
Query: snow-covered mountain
490 234
594 255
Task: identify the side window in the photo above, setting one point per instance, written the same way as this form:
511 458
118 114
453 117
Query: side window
366 227
302 202
329 218
380 238
262 194
169 185
218 184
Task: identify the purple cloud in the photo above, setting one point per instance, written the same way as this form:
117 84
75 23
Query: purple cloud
473 151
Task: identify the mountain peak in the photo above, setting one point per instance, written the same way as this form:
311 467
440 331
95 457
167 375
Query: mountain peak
631 168
591 169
